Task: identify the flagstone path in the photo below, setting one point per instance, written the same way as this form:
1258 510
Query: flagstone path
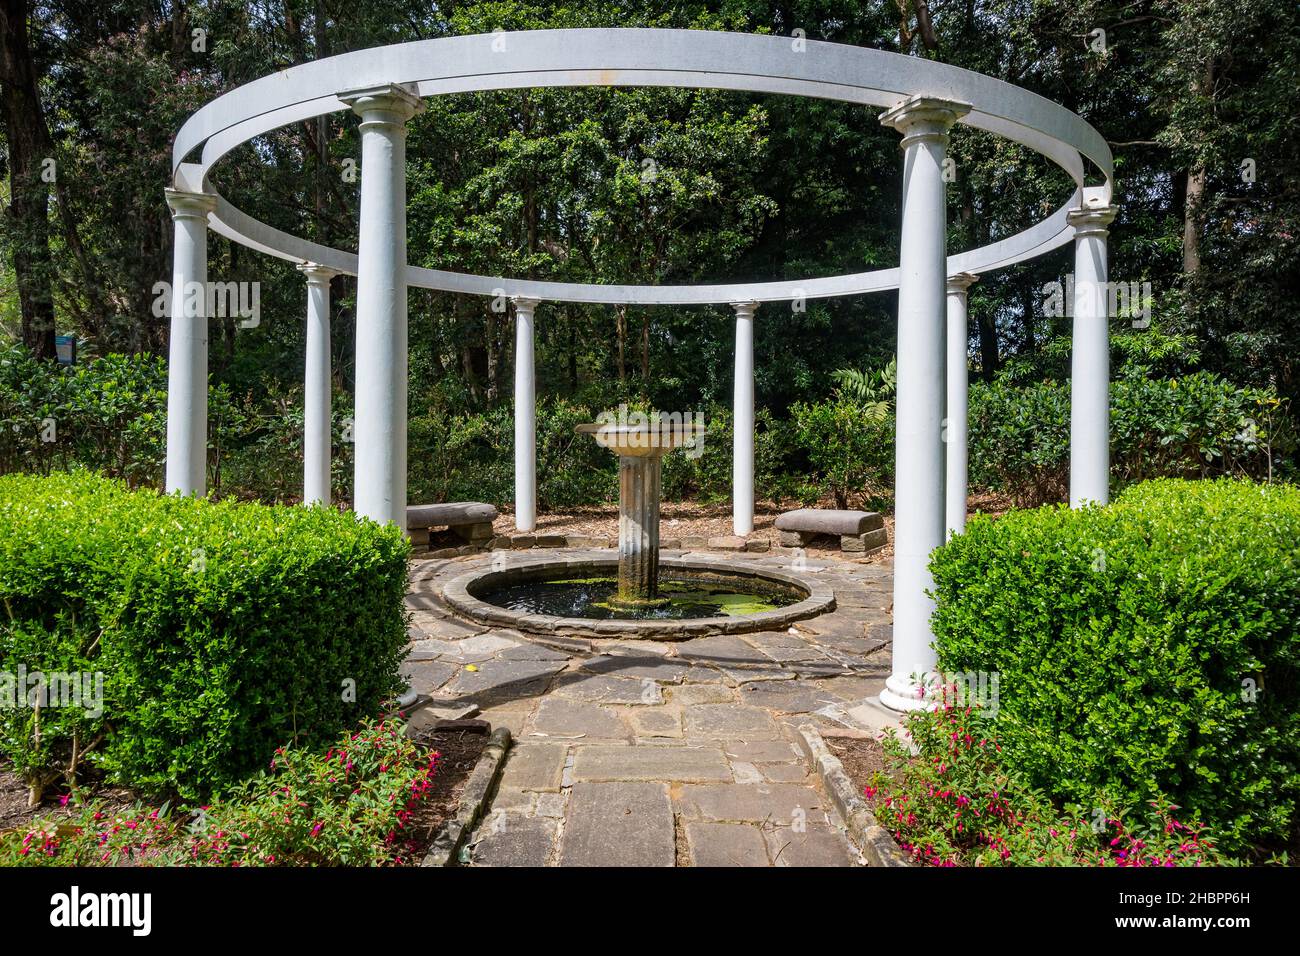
640 753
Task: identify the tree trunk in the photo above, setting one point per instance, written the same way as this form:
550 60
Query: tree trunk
1195 192
988 347
924 24
1191 226
29 145
620 328
645 345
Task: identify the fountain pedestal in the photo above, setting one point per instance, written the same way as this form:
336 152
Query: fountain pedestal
638 528
640 450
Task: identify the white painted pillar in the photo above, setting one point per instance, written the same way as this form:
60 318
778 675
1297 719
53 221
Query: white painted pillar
379 428
317 431
742 422
956 475
919 472
187 356
525 416
1090 353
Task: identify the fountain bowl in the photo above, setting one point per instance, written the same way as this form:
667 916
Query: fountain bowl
465 594
641 441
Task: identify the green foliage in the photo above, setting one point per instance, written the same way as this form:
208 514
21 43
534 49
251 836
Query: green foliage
350 806
873 390
1197 426
849 446
221 629
1145 649
108 415
954 798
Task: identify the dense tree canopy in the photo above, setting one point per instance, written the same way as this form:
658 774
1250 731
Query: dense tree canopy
1197 98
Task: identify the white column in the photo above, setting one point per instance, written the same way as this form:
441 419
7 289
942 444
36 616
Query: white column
1090 353
919 472
380 419
525 416
956 447
742 422
317 448
187 357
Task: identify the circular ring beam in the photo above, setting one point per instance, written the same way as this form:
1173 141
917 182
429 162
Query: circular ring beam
626 57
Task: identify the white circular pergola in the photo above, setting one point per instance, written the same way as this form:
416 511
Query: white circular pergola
922 99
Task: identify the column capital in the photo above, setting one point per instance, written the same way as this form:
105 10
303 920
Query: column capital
526 302
746 309
1093 217
961 282
188 205
316 273
388 104
924 118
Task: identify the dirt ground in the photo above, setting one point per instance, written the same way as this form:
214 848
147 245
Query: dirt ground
689 519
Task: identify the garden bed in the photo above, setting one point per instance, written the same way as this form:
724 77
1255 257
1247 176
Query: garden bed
114 826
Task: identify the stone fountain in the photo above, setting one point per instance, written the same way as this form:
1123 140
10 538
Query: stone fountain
640 449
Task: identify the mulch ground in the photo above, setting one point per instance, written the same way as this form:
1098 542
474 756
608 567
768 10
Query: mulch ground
862 757
458 752
692 519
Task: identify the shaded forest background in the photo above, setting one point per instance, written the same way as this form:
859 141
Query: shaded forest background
1196 97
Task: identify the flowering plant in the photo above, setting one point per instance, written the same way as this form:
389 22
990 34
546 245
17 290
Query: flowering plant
354 805
954 802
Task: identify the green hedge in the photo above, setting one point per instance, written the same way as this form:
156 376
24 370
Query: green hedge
222 630
1147 647
1198 426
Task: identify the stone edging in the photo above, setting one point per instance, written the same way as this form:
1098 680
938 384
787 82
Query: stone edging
875 841
820 599
446 845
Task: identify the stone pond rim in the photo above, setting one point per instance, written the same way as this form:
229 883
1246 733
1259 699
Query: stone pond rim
460 594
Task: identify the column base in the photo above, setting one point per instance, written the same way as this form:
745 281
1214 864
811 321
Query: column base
903 694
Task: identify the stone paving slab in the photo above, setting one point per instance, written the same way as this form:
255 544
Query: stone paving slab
628 666
618 824
498 678
605 763
655 721
512 839
533 765
654 753
725 721
726 844
723 648
775 803
602 689
818 845
425 677
556 717
787 697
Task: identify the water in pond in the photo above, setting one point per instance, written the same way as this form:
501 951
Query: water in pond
589 598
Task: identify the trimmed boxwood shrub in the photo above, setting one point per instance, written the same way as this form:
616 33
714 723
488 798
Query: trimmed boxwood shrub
222 630
1149 647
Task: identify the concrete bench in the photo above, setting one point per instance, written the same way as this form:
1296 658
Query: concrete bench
858 531
470 520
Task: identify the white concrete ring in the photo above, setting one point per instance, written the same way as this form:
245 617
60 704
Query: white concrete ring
622 57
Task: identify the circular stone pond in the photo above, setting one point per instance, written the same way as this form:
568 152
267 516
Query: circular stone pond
698 596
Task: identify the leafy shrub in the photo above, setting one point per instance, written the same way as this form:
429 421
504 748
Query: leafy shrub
1145 649
959 802
459 457
108 414
354 805
850 445
1199 426
221 629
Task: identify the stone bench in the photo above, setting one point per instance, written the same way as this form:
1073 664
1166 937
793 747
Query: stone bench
859 531
470 520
